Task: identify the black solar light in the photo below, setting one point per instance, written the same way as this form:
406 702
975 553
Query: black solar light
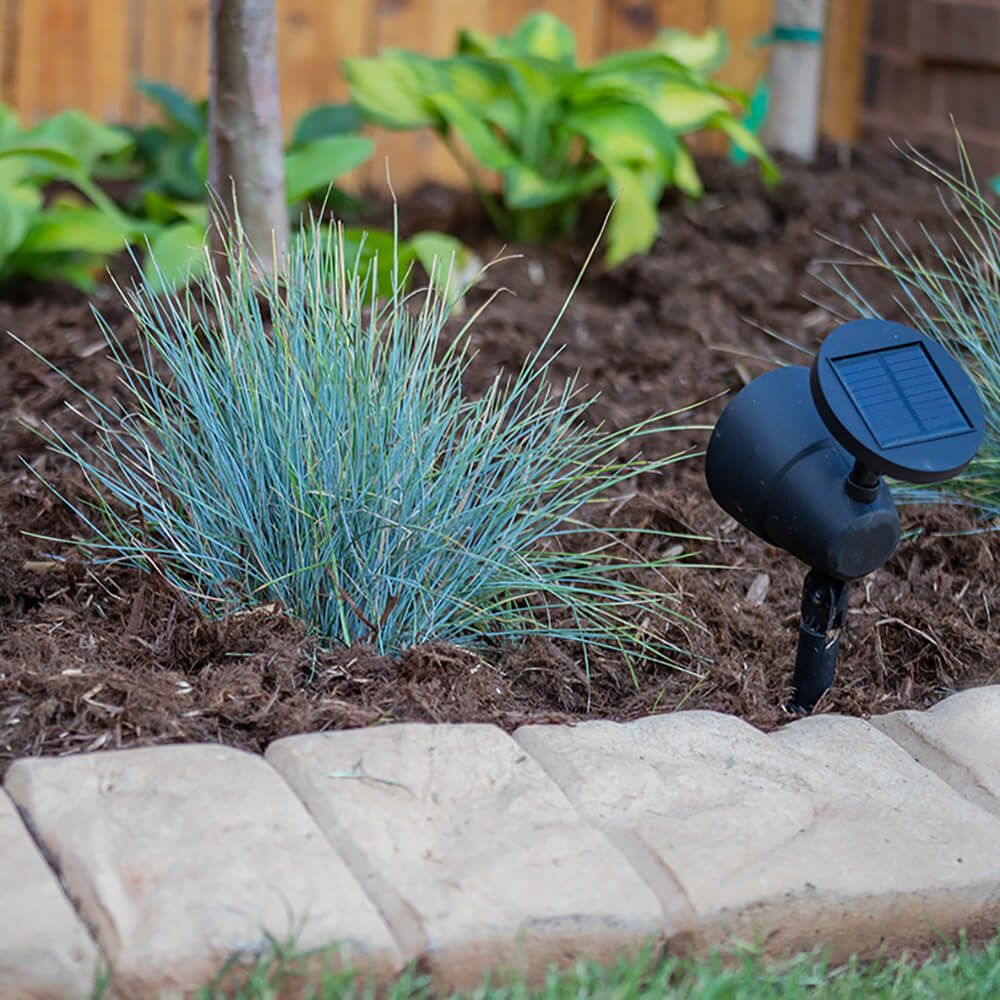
798 455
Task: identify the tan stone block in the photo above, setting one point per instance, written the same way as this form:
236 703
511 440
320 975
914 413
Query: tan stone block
180 856
958 739
46 952
475 858
824 833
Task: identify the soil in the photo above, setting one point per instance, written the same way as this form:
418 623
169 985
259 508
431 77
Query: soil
104 656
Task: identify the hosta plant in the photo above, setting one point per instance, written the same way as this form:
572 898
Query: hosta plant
521 110
950 291
171 164
309 445
71 234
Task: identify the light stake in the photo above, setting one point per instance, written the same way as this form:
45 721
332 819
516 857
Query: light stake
798 457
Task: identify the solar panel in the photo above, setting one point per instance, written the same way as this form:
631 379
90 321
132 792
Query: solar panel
900 395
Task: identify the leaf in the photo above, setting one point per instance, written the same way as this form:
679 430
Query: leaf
525 187
634 222
47 152
475 133
17 209
87 139
69 227
685 174
179 111
704 53
77 269
162 210
742 138
474 80
542 34
638 62
478 43
175 257
449 263
326 120
10 124
374 255
507 113
625 133
389 90
315 166
685 107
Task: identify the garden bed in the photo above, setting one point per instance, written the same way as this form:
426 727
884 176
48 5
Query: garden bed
103 656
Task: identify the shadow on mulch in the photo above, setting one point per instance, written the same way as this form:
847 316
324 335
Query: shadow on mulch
99 657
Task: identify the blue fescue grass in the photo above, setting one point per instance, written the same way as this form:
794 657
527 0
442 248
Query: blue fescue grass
295 441
951 292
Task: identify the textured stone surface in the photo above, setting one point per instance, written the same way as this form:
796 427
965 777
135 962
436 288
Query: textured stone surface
475 858
958 739
46 952
824 833
179 856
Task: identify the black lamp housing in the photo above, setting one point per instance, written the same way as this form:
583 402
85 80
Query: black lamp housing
798 455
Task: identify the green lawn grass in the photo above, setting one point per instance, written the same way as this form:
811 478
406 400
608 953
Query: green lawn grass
958 972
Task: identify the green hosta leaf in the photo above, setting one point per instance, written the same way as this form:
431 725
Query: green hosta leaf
474 80
449 263
742 138
685 174
634 222
390 89
704 53
179 111
507 113
324 121
639 63
88 140
545 36
475 133
162 210
10 124
525 187
538 82
478 43
316 166
625 134
685 107
76 268
175 256
18 207
43 154
375 253
70 227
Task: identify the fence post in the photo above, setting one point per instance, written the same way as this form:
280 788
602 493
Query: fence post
796 75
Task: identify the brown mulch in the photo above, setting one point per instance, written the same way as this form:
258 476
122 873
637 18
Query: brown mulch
103 656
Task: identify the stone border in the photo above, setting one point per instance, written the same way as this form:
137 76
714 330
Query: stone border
464 849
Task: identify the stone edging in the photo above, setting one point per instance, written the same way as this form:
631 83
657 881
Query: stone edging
464 848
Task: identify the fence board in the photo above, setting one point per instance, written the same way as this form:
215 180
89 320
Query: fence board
107 54
843 59
312 40
174 47
27 97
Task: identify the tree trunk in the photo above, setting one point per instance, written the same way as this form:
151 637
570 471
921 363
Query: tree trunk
796 74
245 152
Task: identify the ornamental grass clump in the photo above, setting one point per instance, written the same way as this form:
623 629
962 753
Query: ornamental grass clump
950 291
298 441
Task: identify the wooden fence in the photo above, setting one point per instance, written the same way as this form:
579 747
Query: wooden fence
58 54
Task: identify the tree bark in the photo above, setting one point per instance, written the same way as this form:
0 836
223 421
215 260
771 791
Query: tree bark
796 74
245 154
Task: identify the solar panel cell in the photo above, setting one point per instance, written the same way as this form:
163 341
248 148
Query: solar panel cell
900 396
